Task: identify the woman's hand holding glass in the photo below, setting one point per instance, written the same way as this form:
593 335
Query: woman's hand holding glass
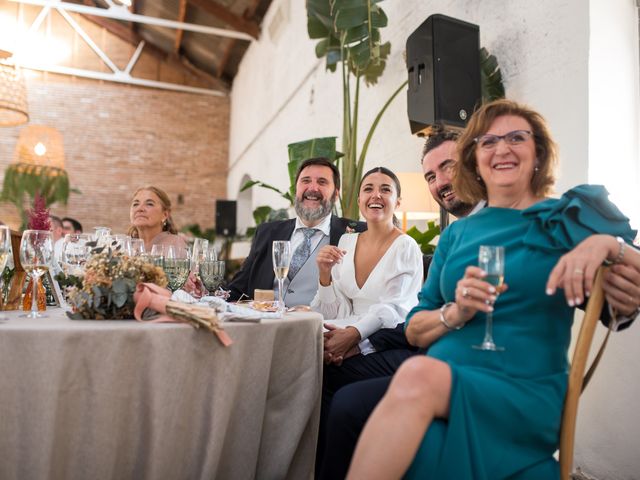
473 294
327 257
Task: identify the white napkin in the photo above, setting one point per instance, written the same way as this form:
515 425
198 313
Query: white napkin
227 312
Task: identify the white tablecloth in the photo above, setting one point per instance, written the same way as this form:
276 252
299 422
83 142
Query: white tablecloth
127 400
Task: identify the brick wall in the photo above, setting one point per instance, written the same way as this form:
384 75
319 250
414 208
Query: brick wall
119 137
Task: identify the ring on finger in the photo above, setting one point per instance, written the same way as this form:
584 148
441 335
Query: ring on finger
578 271
465 292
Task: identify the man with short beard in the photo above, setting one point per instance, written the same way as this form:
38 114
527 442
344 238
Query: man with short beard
317 188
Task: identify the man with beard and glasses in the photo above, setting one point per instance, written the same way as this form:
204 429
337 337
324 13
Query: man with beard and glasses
317 188
352 404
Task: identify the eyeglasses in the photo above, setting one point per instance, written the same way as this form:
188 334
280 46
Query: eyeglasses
489 142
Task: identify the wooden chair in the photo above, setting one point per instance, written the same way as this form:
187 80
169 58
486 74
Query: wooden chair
577 378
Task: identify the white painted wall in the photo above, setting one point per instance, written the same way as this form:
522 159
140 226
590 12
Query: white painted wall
282 94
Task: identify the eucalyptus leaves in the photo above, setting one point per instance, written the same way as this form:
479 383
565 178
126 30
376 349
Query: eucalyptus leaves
109 283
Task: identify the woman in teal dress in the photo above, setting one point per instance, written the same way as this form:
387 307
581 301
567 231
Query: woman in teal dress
464 413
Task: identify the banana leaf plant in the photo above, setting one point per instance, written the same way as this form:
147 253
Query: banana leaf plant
490 77
349 35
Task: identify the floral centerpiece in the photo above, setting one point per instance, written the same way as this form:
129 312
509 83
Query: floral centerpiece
109 283
116 286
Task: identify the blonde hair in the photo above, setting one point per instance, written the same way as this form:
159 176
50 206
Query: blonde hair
466 184
167 225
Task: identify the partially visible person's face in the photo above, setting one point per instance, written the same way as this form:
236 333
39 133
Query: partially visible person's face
67 227
378 198
508 167
437 166
56 231
147 211
315 194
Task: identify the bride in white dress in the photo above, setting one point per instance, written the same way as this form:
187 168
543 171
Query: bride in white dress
371 279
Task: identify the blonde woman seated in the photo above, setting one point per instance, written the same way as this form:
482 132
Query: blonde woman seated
368 282
150 216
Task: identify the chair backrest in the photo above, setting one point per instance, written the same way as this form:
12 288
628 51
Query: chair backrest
576 375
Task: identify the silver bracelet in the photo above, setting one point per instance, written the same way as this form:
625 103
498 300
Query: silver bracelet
620 255
444 320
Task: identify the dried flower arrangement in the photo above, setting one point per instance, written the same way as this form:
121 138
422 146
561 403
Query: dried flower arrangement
109 283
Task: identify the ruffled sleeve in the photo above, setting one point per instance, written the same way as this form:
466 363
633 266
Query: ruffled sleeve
560 224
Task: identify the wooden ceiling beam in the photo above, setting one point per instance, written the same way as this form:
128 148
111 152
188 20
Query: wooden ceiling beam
226 54
228 17
182 14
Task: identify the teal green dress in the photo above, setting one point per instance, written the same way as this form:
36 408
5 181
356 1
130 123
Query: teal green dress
506 406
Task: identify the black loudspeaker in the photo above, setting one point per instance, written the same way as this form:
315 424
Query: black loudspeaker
226 217
443 61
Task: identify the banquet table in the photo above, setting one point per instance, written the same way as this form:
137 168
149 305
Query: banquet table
127 400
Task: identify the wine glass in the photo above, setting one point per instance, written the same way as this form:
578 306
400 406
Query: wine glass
36 253
199 252
491 260
5 252
157 255
75 252
212 274
176 266
5 246
101 236
137 247
281 254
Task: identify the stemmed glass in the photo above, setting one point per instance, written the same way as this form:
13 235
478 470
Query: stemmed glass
199 253
491 260
176 266
75 252
281 254
5 246
212 274
157 255
137 247
5 251
36 253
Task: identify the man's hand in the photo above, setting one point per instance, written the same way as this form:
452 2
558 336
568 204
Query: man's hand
621 285
340 343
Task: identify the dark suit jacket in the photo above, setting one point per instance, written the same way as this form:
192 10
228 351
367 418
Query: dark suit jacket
257 269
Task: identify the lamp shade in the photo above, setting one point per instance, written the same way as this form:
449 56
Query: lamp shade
13 93
40 145
416 201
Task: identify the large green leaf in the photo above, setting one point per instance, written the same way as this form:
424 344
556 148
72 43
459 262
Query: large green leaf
490 77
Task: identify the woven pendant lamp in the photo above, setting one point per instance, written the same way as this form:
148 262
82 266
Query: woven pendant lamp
13 93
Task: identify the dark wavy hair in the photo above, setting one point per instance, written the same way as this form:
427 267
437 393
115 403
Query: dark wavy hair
466 185
392 176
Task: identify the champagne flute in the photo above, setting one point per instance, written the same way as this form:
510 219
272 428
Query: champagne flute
36 253
199 253
491 260
281 254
